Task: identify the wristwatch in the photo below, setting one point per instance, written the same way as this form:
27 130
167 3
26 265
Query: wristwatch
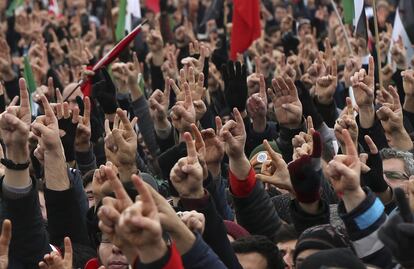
9 164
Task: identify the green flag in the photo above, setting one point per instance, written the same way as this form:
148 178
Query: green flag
12 7
28 76
349 11
120 25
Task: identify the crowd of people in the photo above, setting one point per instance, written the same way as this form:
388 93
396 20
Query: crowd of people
297 154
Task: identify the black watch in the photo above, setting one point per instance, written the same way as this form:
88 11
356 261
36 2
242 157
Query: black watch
9 164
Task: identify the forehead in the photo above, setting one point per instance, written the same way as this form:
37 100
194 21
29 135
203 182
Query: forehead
393 164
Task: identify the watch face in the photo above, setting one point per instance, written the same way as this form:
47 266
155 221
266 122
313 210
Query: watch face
262 157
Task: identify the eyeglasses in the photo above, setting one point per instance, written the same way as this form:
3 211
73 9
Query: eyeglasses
396 175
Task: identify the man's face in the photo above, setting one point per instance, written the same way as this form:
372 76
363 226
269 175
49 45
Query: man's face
305 30
252 260
72 98
89 194
280 13
287 248
395 175
110 256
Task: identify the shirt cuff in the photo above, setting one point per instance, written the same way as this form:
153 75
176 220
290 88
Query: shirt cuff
242 188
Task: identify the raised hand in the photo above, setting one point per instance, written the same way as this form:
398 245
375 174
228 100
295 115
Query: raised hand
187 174
158 104
408 84
83 130
303 142
346 121
47 129
288 108
214 147
139 225
100 183
183 114
133 71
121 144
275 171
6 70
326 85
352 65
257 106
197 89
14 127
55 50
399 54
55 261
110 211
235 89
194 220
391 117
233 134
374 177
344 174
6 234
363 85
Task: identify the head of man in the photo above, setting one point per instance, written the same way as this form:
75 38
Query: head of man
257 252
398 166
71 97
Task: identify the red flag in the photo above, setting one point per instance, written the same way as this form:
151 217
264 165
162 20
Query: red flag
153 5
86 86
246 25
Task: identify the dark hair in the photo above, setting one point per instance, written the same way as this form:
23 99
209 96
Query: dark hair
88 177
262 245
287 232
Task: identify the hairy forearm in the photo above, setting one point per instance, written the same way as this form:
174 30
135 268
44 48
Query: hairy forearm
409 103
56 173
366 116
240 166
401 140
353 198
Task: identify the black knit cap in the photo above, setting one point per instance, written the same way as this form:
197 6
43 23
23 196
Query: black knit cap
337 257
322 237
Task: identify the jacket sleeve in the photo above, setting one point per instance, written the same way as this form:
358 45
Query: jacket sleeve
86 161
254 209
215 233
201 256
171 260
362 224
64 217
145 123
329 112
217 190
376 132
29 242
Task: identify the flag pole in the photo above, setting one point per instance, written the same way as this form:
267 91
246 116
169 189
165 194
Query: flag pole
109 18
374 6
348 43
112 54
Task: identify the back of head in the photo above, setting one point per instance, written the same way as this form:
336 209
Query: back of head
262 245
322 237
332 258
